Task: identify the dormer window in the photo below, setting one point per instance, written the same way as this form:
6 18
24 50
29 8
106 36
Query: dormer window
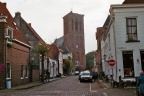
9 34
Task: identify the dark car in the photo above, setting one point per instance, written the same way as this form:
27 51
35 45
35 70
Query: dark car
85 76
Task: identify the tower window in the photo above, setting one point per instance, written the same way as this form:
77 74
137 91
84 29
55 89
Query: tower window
76 25
72 24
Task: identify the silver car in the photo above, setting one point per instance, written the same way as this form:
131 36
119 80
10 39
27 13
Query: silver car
85 76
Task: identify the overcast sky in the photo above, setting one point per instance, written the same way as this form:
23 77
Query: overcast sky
46 16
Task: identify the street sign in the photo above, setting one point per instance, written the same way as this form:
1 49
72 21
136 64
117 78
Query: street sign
2 67
111 62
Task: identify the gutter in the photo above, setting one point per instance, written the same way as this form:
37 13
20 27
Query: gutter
21 43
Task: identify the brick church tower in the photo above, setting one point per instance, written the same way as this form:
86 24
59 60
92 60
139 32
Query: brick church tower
74 38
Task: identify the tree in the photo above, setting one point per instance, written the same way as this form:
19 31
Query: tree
42 49
68 65
90 60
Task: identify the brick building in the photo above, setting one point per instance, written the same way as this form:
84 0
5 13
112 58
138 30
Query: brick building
99 35
74 38
33 38
14 52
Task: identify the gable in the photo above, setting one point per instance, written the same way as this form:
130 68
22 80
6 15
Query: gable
17 34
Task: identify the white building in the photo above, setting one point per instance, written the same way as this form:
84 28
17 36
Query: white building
124 41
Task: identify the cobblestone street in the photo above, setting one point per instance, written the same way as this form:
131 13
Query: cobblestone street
69 86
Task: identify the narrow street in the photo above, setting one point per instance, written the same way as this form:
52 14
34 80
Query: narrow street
69 86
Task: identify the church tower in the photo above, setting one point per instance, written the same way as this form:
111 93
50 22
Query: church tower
74 38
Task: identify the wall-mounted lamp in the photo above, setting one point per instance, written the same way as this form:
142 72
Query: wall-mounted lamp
104 57
137 60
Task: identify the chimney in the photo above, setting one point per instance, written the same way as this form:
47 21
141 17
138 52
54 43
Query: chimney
4 4
18 14
30 24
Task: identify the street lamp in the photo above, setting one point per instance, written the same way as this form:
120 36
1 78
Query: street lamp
104 57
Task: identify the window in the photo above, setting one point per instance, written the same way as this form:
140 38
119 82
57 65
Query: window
26 71
77 63
76 25
131 24
9 33
72 24
80 25
8 71
22 73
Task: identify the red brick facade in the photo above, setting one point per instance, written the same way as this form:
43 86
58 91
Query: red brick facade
2 55
13 56
74 38
18 55
99 34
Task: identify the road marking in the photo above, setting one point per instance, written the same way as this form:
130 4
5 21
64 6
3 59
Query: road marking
91 89
90 86
104 94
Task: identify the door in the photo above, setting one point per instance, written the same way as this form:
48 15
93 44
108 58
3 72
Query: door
128 64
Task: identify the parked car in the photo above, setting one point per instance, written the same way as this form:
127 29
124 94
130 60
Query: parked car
76 72
85 76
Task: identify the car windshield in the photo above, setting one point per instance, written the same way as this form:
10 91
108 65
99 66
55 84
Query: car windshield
85 73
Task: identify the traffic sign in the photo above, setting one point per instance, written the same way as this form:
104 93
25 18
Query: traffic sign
2 67
111 62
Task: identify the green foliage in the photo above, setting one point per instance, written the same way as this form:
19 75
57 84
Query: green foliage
68 65
42 48
89 60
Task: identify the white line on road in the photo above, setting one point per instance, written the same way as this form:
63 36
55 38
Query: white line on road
91 89
90 86
105 94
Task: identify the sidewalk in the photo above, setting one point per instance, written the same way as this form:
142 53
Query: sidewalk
105 85
108 85
33 84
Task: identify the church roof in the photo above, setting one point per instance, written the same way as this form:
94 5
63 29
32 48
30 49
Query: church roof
59 41
71 13
65 50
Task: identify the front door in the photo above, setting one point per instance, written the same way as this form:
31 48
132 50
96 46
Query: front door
128 64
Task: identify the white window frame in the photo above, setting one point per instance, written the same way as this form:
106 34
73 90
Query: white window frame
9 71
26 72
131 34
9 37
77 63
22 71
